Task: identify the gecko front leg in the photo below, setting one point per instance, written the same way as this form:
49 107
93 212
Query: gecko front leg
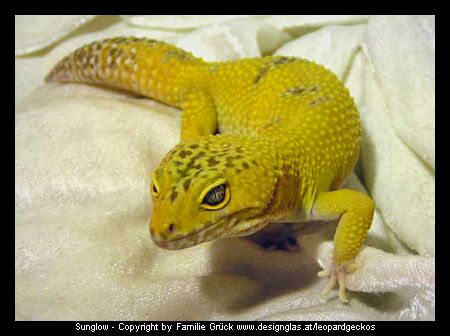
355 212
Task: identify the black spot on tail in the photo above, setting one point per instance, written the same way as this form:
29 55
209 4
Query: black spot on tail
283 60
260 74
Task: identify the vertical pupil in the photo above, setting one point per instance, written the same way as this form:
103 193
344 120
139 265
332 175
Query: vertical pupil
213 196
216 195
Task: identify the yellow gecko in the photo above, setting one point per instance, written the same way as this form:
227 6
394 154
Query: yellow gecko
289 133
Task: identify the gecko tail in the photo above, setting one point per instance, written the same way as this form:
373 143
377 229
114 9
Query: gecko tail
143 66
109 62
61 73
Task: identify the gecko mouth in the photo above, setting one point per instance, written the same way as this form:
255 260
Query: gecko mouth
223 227
201 236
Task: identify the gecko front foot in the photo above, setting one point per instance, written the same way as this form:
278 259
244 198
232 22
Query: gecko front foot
337 274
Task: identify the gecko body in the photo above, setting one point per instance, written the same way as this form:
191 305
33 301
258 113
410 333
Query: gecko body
289 134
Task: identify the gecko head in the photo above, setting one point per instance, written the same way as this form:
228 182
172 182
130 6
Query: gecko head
211 187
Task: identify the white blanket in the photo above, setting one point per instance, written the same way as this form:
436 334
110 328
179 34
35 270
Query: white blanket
84 156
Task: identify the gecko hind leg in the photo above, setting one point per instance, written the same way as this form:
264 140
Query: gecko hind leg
199 115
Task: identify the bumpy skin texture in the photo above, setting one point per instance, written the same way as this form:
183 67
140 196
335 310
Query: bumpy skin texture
289 135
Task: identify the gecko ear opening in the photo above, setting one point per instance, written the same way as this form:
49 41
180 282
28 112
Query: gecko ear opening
215 196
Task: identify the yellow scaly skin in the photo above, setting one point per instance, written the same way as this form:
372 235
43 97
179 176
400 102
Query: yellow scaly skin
289 135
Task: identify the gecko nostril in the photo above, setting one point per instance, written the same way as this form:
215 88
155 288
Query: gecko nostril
172 227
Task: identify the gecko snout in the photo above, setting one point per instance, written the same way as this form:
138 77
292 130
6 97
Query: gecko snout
168 237
161 232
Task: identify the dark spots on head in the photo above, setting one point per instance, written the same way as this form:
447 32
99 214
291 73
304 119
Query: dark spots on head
198 156
173 195
238 171
245 165
172 227
229 164
255 163
186 184
230 159
178 163
239 149
191 164
212 162
184 153
194 146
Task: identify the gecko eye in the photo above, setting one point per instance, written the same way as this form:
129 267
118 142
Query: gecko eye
154 190
216 196
155 186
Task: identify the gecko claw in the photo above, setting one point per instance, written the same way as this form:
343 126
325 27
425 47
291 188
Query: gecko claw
337 274
324 273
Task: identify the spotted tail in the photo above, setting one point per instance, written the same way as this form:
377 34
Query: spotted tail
151 68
